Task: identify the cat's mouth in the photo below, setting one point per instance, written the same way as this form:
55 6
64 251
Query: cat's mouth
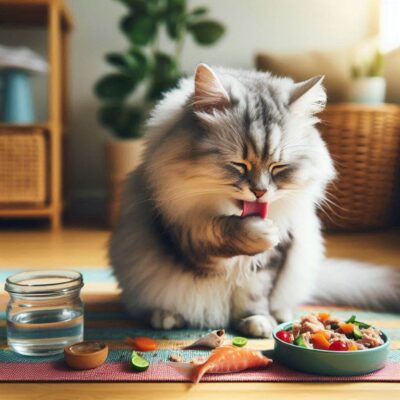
254 209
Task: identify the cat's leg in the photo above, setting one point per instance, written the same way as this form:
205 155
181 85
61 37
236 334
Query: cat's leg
163 319
250 311
296 278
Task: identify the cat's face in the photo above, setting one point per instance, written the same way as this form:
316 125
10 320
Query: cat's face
259 147
247 137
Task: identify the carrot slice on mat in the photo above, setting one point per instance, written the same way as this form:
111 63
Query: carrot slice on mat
142 343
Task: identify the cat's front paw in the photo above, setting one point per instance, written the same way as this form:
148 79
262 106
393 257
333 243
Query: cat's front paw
257 326
162 319
261 234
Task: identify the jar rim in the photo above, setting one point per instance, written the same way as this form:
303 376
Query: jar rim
43 281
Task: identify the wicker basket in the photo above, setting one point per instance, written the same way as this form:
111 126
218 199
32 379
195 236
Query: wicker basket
22 167
364 142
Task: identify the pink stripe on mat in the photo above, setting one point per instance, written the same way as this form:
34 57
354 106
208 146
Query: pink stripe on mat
158 372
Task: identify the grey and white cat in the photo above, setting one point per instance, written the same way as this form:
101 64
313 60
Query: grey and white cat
181 251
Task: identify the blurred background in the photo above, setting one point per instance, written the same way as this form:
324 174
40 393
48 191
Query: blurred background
78 78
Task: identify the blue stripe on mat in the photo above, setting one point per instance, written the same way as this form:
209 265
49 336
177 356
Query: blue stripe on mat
113 356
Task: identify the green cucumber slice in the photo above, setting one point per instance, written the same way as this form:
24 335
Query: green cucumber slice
357 333
139 364
239 341
300 341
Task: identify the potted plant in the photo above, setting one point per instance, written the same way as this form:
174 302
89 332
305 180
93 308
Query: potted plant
368 85
143 72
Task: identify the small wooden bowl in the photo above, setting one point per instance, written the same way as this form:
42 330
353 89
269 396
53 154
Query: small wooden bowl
86 355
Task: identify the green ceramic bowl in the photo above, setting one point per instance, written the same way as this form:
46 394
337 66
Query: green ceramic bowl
324 362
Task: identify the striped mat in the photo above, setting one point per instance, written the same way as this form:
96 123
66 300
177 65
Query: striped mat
106 320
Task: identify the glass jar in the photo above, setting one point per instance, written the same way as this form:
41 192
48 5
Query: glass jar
45 311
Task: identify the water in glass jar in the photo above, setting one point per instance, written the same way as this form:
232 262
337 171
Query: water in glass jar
44 332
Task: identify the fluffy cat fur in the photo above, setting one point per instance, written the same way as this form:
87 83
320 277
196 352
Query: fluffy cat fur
182 253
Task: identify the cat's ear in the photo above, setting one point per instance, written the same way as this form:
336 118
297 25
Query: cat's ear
308 97
209 94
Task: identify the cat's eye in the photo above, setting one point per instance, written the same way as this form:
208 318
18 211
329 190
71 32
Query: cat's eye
242 167
277 168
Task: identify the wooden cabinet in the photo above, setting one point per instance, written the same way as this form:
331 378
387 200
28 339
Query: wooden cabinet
55 17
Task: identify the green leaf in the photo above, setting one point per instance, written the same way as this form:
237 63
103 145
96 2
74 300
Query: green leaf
158 88
176 6
175 27
165 75
128 3
126 24
199 11
376 67
115 86
121 60
165 67
206 32
153 6
109 114
140 29
141 6
124 121
132 63
142 65
175 18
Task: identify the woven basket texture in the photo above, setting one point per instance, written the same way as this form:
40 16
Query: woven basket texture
364 142
22 167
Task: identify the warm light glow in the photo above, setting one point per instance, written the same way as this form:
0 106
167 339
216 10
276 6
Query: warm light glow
389 24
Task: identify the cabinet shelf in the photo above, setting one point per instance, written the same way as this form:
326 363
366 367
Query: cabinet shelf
35 125
32 13
16 212
55 17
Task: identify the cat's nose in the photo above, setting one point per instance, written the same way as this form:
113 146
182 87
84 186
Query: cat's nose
259 192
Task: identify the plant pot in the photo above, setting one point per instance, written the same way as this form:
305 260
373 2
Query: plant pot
122 157
370 90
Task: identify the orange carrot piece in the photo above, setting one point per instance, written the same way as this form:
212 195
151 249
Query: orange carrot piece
320 341
323 316
326 334
347 328
142 343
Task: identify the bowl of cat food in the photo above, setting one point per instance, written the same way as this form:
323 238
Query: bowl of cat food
325 345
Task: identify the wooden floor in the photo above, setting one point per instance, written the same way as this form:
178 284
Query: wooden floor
78 247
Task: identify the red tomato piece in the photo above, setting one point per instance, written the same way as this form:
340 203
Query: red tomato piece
284 336
338 345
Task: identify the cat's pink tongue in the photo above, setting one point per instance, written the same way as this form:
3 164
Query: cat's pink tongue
255 208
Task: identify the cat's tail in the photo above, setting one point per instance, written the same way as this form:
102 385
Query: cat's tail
346 282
